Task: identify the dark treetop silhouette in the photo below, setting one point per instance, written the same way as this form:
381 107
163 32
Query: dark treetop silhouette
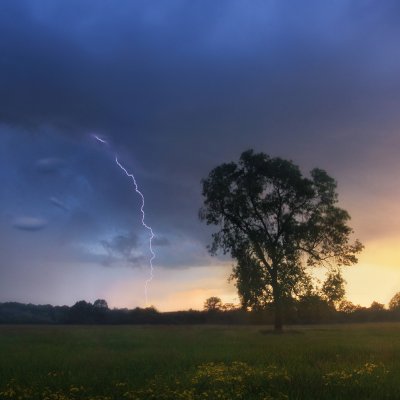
213 304
277 224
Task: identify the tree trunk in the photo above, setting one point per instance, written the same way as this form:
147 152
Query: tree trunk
278 323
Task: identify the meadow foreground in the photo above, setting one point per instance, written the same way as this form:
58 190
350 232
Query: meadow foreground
199 362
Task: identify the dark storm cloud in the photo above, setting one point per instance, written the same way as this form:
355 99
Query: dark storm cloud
179 70
176 88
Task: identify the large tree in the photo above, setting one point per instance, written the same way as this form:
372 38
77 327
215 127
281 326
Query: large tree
277 224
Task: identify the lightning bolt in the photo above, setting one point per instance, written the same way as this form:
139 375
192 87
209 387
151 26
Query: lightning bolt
153 256
149 229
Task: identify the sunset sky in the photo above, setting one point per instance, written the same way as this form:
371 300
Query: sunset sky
176 88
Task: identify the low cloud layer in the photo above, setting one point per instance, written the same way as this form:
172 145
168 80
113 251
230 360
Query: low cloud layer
29 223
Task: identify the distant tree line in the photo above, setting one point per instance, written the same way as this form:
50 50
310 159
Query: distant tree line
310 309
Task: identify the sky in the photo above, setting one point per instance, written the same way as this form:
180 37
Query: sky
177 88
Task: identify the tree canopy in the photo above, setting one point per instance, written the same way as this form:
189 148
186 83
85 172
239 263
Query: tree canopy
277 224
213 304
394 303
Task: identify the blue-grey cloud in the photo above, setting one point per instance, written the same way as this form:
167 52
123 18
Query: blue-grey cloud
29 223
49 165
161 241
121 244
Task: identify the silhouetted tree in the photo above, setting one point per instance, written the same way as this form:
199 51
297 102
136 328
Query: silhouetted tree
313 308
375 306
100 303
213 304
276 223
81 312
347 307
376 312
333 288
394 303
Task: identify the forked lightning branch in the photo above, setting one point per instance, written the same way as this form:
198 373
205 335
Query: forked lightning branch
147 227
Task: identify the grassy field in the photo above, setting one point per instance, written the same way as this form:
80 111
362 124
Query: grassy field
192 362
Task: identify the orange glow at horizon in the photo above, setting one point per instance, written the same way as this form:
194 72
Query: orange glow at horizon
376 277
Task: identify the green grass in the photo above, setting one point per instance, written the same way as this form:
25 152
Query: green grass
199 362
